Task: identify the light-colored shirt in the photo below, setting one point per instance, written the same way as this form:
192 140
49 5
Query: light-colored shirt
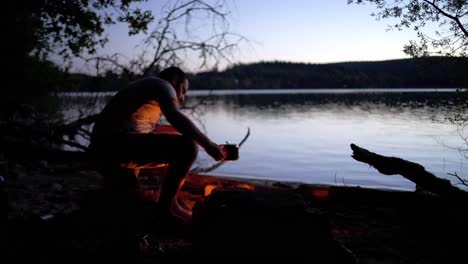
145 118
136 108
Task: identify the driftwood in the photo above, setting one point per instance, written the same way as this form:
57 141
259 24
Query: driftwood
410 170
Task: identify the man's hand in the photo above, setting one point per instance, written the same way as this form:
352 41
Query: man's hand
214 151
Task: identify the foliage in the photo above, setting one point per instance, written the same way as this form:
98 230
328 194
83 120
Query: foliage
449 16
72 27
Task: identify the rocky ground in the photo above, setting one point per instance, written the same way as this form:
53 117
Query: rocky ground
58 211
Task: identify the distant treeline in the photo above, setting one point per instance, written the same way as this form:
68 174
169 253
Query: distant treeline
404 73
433 72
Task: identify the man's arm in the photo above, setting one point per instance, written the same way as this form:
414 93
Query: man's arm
186 127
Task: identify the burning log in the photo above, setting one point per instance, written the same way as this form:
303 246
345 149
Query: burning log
410 170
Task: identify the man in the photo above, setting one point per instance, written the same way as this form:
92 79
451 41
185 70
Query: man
127 131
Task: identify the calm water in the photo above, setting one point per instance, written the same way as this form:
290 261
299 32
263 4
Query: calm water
304 136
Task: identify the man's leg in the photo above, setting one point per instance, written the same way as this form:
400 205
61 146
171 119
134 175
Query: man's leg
177 150
175 178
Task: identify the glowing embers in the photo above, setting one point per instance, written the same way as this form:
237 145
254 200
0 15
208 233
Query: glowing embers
320 193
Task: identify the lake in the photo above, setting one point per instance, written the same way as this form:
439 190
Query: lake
304 135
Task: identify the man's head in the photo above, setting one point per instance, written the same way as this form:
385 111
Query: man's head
177 78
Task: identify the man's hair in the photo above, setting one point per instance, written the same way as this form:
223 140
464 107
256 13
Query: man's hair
172 73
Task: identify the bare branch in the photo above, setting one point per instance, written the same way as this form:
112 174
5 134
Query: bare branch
113 62
73 144
462 181
219 163
245 137
74 126
167 44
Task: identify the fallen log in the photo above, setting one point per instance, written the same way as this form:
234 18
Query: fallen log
410 170
264 223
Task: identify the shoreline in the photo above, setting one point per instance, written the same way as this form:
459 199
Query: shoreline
222 92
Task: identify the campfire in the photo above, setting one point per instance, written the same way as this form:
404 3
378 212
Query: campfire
196 187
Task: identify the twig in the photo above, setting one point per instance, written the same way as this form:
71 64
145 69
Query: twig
245 137
462 181
219 163
73 127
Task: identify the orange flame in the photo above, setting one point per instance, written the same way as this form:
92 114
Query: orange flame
209 188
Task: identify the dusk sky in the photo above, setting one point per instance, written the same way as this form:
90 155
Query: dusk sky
318 31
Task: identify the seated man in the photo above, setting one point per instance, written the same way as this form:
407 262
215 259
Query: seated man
127 131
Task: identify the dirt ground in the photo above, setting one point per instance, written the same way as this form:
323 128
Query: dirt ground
48 211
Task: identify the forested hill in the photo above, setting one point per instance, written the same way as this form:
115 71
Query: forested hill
403 73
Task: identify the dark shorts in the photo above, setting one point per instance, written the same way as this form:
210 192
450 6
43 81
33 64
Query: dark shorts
114 155
143 149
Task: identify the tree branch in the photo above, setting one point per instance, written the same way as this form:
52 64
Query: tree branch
454 18
156 56
165 44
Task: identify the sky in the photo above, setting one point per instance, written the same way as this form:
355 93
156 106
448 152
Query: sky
308 31
318 31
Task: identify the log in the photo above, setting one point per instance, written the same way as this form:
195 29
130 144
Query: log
264 223
410 170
